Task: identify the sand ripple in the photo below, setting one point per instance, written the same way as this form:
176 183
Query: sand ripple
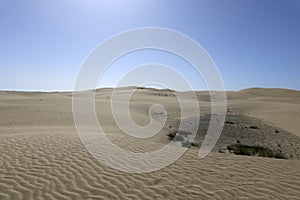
51 163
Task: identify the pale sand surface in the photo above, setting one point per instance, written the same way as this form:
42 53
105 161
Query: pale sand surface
42 156
277 107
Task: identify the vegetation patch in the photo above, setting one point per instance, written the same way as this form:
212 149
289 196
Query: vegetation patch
253 127
186 144
240 149
172 134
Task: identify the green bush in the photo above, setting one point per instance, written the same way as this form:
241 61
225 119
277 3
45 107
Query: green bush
240 149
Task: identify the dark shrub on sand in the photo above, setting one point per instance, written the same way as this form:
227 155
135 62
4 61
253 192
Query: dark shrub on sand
241 149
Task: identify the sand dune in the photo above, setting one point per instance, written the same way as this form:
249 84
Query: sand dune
277 107
42 156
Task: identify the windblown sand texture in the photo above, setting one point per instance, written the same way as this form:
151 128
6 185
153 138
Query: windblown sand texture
42 156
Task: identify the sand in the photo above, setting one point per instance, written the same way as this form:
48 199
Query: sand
42 156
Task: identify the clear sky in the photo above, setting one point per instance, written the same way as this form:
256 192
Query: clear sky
254 43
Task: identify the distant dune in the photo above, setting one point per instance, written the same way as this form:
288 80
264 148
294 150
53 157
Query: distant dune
42 156
271 92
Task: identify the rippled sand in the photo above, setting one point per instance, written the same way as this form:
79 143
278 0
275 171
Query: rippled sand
42 156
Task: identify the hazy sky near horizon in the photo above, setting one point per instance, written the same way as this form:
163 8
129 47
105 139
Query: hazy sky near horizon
254 43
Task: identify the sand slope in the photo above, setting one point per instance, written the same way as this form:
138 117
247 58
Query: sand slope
277 107
43 158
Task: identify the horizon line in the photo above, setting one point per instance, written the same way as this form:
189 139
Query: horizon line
139 87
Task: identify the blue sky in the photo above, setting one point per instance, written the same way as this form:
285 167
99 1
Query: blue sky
254 43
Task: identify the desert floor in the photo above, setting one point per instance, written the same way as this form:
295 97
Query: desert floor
42 156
